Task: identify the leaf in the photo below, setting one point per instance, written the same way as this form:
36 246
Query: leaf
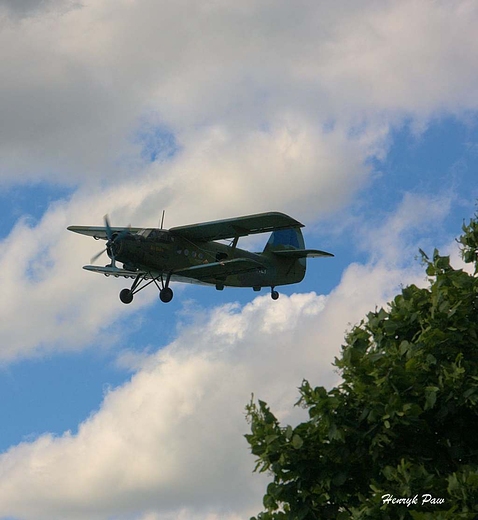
288 432
340 478
343 515
404 347
297 442
430 396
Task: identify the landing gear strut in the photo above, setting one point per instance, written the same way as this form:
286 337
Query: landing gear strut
165 292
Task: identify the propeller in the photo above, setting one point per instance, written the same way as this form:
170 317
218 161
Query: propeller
112 237
94 258
109 232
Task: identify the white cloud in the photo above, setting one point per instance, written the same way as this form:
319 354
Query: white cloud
293 169
80 78
393 237
273 106
169 443
171 439
292 166
49 302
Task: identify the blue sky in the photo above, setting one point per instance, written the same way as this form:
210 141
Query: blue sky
359 120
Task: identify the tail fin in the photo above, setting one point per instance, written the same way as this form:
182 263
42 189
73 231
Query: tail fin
285 239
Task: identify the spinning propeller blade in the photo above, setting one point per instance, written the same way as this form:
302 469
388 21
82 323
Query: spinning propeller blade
109 233
112 237
94 258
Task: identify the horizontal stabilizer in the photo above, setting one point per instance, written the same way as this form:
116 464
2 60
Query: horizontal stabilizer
301 253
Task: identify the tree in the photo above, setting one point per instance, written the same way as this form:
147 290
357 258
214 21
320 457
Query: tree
402 425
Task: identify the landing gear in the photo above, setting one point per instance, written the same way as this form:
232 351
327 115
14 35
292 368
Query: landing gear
274 294
126 296
165 292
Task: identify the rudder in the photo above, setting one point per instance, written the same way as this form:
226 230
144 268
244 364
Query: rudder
284 239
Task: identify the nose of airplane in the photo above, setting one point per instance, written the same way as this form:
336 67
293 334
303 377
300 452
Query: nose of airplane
115 245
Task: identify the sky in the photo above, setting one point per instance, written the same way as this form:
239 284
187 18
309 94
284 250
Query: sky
359 119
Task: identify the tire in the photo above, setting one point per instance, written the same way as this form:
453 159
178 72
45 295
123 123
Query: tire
166 295
126 296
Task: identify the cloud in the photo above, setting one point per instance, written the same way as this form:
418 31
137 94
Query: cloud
243 107
416 215
49 302
292 168
166 439
20 8
170 441
294 135
161 445
81 79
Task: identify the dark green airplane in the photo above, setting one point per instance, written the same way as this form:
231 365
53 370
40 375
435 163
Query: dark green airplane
192 254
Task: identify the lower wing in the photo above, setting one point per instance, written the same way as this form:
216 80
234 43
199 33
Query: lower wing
194 274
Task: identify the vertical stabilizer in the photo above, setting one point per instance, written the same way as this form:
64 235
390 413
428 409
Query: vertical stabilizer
284 239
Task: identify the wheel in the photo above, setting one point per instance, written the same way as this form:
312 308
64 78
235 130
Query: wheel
126 296
166 295
274 295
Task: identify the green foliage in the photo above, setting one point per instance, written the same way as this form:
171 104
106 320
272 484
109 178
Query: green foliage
403 421
469 242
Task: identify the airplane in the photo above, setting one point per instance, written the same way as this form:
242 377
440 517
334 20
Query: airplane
193 254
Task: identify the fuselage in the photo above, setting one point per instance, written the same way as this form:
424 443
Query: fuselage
159 251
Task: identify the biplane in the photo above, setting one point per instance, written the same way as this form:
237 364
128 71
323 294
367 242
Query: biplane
195 254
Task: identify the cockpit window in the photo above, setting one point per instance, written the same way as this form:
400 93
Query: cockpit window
160 234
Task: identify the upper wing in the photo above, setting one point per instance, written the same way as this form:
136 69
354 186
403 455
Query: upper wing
236 227
301 253
207 231
100 232
224 268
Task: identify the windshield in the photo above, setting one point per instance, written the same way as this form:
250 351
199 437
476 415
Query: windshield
160 235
